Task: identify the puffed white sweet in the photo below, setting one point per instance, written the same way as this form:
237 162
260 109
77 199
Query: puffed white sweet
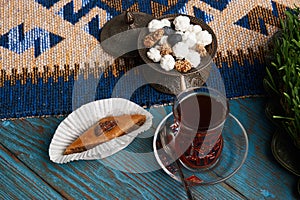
156 24
204 38
194 58
154 54
182 23
165 22
189 38
167 62
195 28
179 32
180 50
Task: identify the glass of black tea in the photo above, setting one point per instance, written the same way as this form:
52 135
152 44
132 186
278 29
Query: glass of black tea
199 115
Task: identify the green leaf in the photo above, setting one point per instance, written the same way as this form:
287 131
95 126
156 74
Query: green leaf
296 42
273 87
270 76
284 78
278 59
291 86
287 97
282 68
294 101
282 117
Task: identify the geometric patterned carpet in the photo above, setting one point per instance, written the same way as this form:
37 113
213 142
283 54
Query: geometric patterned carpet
44 45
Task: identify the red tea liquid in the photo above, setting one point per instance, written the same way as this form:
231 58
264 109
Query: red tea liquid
200 118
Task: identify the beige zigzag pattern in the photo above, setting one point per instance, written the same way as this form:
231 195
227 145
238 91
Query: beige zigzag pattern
75 48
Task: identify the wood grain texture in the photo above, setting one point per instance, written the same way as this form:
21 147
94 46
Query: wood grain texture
260 177
19 182
89 179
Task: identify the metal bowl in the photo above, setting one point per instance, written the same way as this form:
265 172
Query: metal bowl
171 81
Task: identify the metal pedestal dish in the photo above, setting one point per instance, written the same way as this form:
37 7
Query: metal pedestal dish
170 81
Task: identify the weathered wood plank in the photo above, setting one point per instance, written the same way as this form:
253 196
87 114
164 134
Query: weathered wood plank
29 140
19 182
261 177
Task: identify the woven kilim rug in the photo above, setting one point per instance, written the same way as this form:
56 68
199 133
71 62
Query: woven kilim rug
44 45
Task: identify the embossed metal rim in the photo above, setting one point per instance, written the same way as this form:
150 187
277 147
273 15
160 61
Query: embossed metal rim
278 157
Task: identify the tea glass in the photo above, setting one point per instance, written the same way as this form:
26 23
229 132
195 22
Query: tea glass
199 115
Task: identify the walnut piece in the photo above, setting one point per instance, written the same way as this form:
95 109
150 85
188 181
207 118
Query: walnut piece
165 49
201 50
183 65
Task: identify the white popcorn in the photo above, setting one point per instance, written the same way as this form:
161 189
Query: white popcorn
189 38
191 28
196 29
166 22
163 40
204 38
154 54
156 24
194 58
179 32
185 35
180 50
167 62
182 23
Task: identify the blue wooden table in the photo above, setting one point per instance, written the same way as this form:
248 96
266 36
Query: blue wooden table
27 173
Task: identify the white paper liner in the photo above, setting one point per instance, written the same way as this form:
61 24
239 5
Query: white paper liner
86 116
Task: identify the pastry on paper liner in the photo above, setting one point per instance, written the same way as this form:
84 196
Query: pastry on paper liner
104 130
85 117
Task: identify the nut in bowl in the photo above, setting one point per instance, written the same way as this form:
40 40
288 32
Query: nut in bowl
175 46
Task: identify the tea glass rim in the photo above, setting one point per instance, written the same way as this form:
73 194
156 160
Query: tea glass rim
191 89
